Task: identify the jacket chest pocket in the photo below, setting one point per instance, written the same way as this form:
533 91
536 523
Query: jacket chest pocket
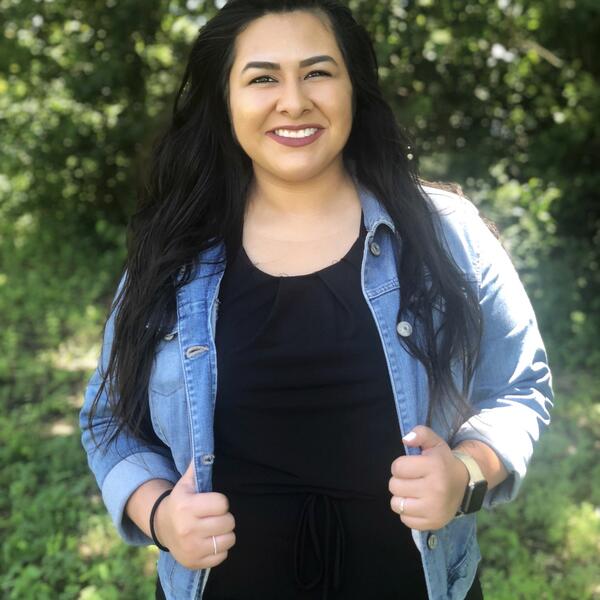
166 390
166 377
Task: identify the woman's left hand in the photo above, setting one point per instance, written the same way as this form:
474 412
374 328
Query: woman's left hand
432 483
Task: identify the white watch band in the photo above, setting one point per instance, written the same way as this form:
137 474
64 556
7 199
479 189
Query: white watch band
475 473
476 480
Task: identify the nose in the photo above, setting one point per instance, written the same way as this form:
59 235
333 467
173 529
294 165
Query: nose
293 99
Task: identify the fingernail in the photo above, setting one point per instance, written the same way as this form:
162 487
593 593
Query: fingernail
409 437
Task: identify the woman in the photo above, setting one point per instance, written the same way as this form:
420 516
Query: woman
368 325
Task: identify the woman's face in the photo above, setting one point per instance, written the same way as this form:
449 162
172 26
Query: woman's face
289 93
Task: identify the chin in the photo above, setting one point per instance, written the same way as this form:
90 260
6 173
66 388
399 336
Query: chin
298 172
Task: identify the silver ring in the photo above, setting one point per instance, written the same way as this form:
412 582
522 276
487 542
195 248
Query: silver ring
215 544
401 508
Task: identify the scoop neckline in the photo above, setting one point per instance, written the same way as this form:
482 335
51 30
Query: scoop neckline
305 275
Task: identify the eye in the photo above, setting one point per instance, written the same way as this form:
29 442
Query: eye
322 73
257 79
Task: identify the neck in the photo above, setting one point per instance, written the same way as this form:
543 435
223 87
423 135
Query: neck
320 197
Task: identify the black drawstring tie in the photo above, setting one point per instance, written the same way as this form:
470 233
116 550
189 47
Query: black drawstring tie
307 524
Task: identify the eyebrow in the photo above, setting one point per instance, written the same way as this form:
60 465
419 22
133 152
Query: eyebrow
261 64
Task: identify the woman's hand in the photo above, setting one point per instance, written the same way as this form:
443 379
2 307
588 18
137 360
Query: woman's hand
186 520
432 484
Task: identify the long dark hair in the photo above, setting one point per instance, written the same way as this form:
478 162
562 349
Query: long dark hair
194 197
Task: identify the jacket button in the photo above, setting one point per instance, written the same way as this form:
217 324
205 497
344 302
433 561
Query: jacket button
207 459
375 249
432 541
404 328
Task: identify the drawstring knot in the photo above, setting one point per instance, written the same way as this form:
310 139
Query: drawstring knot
307 526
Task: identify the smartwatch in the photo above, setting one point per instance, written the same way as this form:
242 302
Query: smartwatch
476 487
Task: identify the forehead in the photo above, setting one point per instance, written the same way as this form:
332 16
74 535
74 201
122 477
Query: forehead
287 36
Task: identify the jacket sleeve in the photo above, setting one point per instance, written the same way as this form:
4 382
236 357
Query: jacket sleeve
126 463
511 391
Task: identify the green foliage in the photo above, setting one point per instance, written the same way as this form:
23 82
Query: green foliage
545 544
559 272
57 540
507 93
501 96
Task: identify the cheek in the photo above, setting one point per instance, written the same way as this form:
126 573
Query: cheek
337 103
248 114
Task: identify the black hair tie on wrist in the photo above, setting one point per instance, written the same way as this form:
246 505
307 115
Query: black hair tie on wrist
152 532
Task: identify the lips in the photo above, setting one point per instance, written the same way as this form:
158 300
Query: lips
296 127
295 142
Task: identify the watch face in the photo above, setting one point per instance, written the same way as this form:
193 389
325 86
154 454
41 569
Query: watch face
476 497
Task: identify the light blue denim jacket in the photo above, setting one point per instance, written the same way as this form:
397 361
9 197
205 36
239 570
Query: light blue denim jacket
511 390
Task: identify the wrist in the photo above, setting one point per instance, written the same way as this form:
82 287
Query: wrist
476 487
140 503
488 461
158 519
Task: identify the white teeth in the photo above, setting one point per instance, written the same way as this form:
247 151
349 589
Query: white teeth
301 133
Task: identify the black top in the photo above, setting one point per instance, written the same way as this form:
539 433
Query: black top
305 432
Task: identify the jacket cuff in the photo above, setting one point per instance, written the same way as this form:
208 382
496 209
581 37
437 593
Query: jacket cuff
513 449
123 479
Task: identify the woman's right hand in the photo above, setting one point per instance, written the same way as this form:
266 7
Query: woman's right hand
186 520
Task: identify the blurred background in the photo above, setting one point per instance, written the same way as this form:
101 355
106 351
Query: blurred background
500 96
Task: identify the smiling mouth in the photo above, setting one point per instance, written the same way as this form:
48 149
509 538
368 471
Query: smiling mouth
300 138
296 134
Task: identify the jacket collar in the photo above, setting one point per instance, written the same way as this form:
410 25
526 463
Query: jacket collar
374 212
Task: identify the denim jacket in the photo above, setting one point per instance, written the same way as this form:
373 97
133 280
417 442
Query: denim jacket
511 391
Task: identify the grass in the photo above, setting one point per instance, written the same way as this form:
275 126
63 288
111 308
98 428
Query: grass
58 542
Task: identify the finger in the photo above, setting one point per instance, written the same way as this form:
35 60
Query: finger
398 504
207 504
208 560
414 488
188 479
416 522
223 543
423 436
403 506
410 467
216 525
